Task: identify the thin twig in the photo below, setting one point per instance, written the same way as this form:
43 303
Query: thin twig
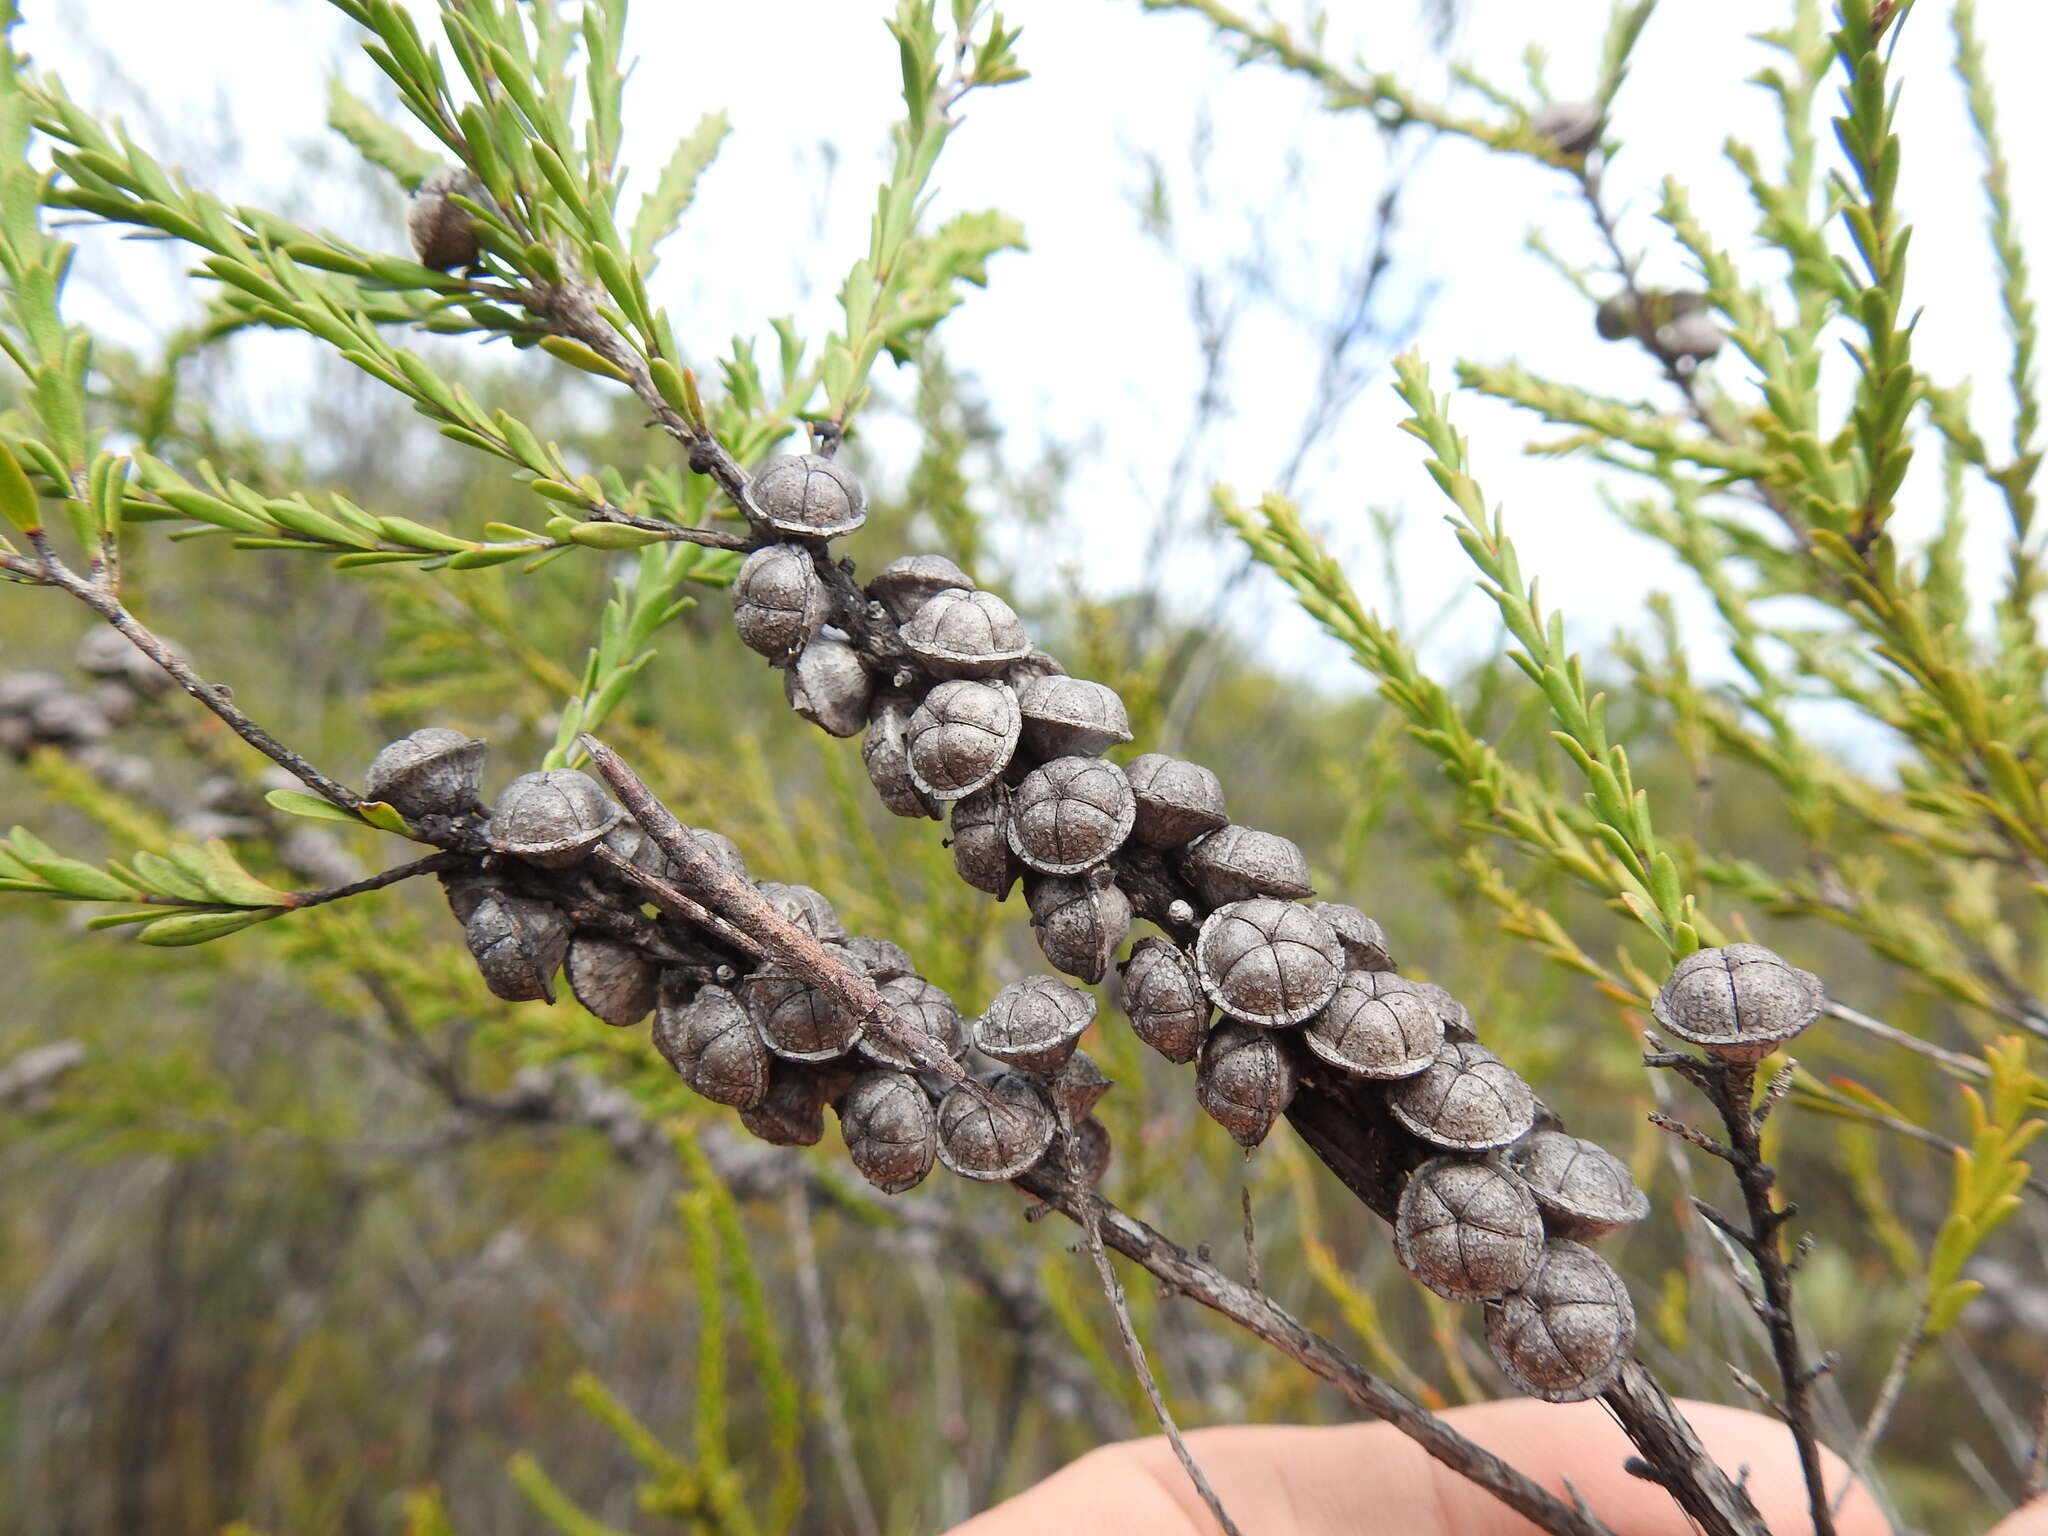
1252 1276
1886 1403
1955 1061
825 1365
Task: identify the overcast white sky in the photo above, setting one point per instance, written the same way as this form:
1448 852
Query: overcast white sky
1086 339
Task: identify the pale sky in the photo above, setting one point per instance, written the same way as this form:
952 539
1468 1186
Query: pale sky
1085 339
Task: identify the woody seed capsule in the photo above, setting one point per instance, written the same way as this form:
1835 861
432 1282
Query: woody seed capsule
1740 1002
830 686
924 1008
1585 1190
804 496
721 849
1081 921
1266 962
1164 999
711 1043
1467 1099
981 842
552 818
804 907
1244 1081
1573 126
1177 801
778 601
885 753
959 633
433 771
1035 1023
792 1112
891 1132
962 737
443 235
1084 1156
1467 1229
1377 1025
1236 863
1070 716
1455 1016
906 585
611 979
996 1142
799 1021
882 959
1565 1335
1071 814
1080 1085
1364 941
1029 668
518 945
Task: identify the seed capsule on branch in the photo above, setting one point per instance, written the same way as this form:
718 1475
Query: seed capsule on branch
882 960
1740 1002
962 737
1468 1229
885 753
1080 921
1070 716
830 686
1266 962
443 234
1084 1156
1237 863
466 889
552 818
1070 814
805 496
1033 666
1163 997
923 1007
105 652
906 585
1377 1025
711 1043
1080 1085
792 1112
612 979
999 1141
800 1021
1244 1080
518 945
981 843
1584 1190
1456 1018
1034 1024
1364 941
431 772
1468 1099
959 633
806 908
891 1130
1573 126
1177 801
1565 1335
720 848
778 601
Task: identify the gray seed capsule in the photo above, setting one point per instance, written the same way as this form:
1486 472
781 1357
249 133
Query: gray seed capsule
1467 1099
1696 336
466 889
518 945
799 1021
1244 1081
1080 921
105 652
1237 863
805 907
1377 1025
1364 941
1070 716
830 686
432 771
1177 801
1573 126
721 849
443 235
1080 1085
923 1007
552 818
1035 1023
1457 1019
1032 666
1071 814
1162 994
1468 1230
711 1043
981 841
20 692
613 980
804 496
778 601
885 753
792 1112
881 959
906 585
959 633
891 1130
1564 1336
1084 1156
962 737
1266 962
68 719
996 1142
1585 1191
1740 1002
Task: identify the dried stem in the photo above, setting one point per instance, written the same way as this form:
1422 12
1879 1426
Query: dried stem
1888 1393
825 1366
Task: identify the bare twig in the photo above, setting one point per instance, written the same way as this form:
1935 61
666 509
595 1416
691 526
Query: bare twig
1885 1404
1955 1061
818 1343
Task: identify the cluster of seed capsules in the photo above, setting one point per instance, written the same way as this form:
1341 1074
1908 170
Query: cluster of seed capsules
963 719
